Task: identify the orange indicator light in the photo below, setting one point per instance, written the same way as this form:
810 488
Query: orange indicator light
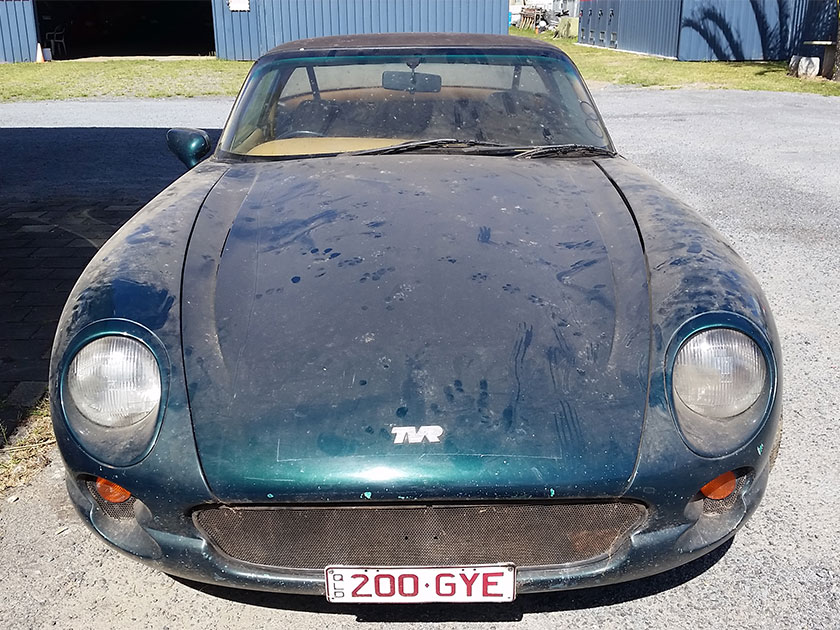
111 492
720 487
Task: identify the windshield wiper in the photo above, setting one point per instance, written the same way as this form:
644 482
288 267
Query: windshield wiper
481 147
574 150
427 144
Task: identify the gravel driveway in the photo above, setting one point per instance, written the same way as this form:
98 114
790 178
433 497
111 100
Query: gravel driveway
765 169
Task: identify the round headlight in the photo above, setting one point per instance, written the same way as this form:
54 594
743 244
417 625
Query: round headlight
114 381
719 373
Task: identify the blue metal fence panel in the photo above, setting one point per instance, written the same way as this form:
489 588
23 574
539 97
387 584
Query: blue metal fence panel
745 30
588 21
18 34
584 15
649 26
246 35
613 18
599 19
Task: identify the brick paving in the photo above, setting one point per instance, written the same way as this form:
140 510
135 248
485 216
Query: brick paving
63 192
44 246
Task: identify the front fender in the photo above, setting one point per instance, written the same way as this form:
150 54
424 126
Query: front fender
136 277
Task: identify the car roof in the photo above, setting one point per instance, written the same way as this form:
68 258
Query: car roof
415 41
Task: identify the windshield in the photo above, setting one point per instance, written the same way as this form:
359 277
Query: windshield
336 104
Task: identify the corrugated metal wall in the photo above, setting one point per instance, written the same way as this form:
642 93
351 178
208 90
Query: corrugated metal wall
770 30
647 26
18 35
650 26
708 30
247 34
237 32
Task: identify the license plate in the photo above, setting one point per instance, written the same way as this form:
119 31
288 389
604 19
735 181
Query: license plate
416 585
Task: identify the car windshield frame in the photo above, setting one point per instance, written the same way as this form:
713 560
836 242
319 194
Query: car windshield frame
549 61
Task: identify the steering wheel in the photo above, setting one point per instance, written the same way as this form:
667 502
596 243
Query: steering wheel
300 133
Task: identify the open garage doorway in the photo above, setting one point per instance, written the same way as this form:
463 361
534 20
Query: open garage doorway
120 28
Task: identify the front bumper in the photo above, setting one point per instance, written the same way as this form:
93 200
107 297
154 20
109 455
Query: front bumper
665 541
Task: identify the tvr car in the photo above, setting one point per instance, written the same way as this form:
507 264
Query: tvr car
415 332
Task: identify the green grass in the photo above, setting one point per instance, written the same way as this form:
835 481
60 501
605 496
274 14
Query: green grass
622 68
127 78
123 78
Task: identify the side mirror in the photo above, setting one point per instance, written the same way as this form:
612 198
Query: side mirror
188 145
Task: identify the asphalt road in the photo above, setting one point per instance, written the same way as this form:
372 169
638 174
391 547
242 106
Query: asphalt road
763 168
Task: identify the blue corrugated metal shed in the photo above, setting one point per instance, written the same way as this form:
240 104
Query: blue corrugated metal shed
267 23
248 34
707 30
18 37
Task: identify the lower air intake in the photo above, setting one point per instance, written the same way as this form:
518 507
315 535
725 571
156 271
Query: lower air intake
423 535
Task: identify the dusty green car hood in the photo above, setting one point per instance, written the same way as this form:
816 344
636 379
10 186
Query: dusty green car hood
328 301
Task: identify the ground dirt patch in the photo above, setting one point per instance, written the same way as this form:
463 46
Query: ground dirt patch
27 451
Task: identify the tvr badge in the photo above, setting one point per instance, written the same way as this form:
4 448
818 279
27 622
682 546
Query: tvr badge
416 435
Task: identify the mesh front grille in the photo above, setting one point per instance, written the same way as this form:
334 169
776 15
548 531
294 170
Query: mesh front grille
316 537
114 510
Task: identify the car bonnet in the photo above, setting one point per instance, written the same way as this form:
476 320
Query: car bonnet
425 327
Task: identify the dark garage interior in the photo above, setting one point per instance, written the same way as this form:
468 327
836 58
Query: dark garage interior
118 28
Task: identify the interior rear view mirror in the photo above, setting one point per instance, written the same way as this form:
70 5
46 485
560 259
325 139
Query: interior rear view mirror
410 81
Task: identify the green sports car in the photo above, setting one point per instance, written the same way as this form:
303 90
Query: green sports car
415 332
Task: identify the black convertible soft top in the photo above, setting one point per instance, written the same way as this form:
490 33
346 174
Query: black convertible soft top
411 41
